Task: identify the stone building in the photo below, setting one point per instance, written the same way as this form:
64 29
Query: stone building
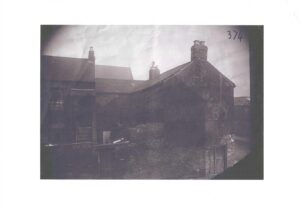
68 97
81 101
175 120
193 101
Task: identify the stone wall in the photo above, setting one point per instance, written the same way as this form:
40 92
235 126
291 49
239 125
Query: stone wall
156 158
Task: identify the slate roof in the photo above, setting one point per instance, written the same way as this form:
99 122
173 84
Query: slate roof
129 86
162 77
113 72
114 79
117 86
76 69
65 69
209 67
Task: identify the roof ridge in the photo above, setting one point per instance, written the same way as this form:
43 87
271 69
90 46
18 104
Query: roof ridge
62 57
65 57
161 78
114 66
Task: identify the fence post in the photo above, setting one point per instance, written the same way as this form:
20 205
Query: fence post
215 171
99 163
225 156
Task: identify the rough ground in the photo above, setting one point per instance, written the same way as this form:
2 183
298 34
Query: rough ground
238 150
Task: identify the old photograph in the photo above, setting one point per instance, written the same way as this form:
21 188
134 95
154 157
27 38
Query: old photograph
151 102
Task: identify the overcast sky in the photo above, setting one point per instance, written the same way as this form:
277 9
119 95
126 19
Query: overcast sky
169 46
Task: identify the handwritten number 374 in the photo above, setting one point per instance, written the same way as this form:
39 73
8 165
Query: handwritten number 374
235 35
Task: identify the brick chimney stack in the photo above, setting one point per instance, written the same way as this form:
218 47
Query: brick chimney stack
199 51
91 56
91 63
154 72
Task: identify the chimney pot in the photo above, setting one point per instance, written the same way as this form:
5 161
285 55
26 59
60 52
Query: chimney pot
199 51
154 72
91 56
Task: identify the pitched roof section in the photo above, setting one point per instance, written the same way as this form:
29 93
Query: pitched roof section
164 76
209 67
113 72
76 69
65 69
117 86
130 86
142 85
112 79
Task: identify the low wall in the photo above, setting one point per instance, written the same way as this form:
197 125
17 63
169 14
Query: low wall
155 158
146 156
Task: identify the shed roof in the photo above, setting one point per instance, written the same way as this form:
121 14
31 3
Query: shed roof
242 101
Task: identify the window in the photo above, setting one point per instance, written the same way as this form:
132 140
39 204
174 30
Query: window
57 100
